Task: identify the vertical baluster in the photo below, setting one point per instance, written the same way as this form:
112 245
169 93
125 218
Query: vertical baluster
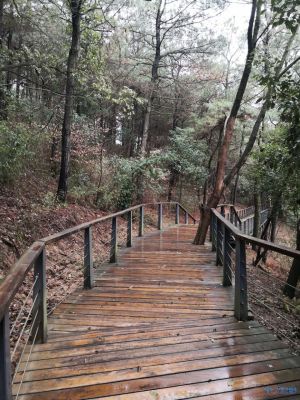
129 229
211 227
240 297
141 222
186 218
114 242
227 276
219 243
177 214
88 259
223 211
231 214
5 362
159 216
213 222
40 292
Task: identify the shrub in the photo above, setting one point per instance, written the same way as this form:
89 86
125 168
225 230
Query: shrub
17 144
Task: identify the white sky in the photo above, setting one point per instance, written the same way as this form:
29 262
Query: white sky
233 23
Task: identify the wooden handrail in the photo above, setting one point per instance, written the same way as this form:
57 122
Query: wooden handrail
253 240
14 279
227 238
16 276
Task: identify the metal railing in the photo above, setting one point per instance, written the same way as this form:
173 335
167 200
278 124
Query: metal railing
32 265
230 241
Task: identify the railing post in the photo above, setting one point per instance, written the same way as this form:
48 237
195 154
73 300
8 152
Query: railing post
88 259
160 216
5 361
231 215
40 293
213 228
240 296
113 244
186 218
141 222
177 214
129 229
227 276
219 243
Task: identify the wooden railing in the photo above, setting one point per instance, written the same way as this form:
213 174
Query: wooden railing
230 244
34 260
243 219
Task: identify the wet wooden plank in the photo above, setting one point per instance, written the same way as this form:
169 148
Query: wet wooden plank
225 377
159 325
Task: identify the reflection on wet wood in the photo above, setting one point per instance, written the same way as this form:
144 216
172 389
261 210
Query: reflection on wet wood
158 325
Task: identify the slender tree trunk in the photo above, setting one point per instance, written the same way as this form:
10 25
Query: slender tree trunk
274 216
173 179
146 126
154 79
253 28
3 100
62 189
294 274
140 184
234 193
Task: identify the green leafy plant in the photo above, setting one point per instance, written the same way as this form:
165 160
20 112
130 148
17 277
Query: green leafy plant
17 147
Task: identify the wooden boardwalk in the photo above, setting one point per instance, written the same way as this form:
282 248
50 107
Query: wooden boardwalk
158 326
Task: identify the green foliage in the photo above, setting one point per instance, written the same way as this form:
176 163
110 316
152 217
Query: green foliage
119 183
17 148
276 169
187 155
286 13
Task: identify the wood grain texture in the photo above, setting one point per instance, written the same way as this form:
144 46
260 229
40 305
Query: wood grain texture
157 325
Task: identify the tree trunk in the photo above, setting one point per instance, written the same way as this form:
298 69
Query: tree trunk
294 274
274 216
173 179
234 193
253 28
3 100
69 101
154 79
151 96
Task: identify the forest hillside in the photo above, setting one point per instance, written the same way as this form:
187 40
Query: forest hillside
105 104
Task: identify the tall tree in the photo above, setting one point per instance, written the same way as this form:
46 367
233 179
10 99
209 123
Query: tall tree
75 8
214 198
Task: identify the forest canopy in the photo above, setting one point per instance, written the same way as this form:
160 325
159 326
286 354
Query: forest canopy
121 101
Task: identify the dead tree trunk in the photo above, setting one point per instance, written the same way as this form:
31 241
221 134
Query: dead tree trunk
62 189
